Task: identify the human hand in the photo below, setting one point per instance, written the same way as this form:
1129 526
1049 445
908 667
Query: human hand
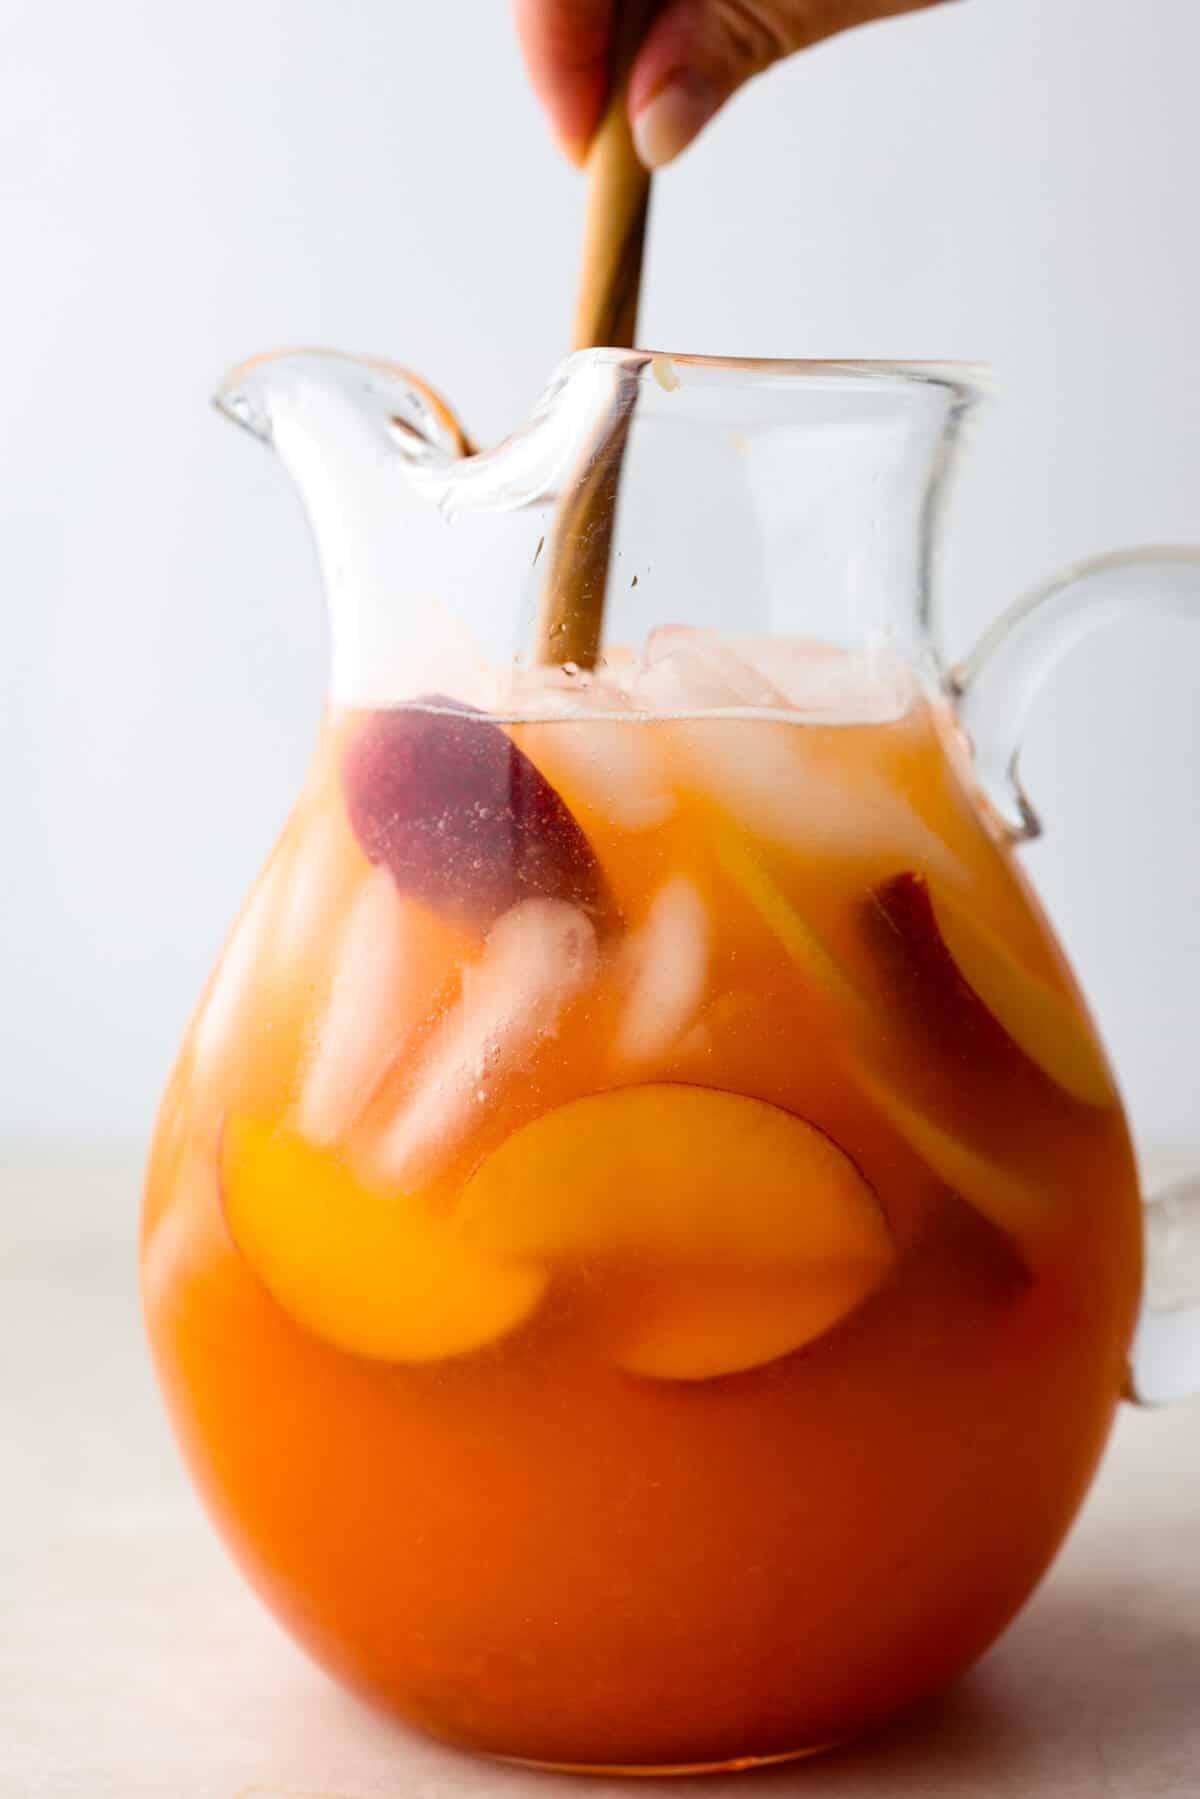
695 55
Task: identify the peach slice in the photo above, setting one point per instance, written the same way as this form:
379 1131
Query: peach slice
1002 1197
460 815
969 993
1040 1021
1013 1203
665 1175
704 1327
371 1273
672 1171
746 868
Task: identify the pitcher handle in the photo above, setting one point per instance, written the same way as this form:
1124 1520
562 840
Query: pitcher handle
996 689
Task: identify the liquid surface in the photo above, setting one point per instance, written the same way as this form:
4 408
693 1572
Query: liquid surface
640 1242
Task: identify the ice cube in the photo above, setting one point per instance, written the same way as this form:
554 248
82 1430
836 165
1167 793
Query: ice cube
537 957
613 767
584 735
315 876
619 663
692 670
757 772
539 690
383 987
753 770
666 965
242 964
832 685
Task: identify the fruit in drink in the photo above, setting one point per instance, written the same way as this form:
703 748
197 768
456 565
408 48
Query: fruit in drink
642 1278
460 816
369 1273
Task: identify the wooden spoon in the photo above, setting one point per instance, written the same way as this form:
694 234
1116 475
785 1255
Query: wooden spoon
571 618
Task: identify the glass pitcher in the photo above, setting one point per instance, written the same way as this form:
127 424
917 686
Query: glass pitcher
642 1248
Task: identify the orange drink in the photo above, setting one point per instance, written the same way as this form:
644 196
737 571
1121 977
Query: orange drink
641 1243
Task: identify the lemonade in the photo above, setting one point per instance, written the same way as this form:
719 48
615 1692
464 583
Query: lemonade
641 1242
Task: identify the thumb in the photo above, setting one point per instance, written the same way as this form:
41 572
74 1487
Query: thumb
698 52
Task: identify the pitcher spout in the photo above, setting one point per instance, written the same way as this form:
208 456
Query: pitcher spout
385 472
269 391
640 488
352 434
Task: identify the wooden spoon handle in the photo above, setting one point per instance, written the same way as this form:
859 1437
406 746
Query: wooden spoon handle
571 616
610 267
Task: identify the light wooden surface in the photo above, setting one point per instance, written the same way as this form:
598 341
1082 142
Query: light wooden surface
134 1664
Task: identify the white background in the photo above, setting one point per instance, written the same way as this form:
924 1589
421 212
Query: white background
1010 180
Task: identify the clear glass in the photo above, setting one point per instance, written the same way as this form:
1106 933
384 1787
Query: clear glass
642 1246
995 691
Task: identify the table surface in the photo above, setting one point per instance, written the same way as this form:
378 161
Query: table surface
135 1665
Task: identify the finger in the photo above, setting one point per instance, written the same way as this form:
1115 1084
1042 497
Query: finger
699 52
565 44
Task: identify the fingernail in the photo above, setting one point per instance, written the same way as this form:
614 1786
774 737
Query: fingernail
670 120
575 149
